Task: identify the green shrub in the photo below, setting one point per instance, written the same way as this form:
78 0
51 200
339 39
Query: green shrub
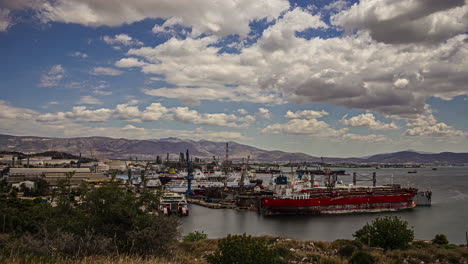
440 239
329 260
347 250
195 236
243 249
420 244
388 232
362 257
450 246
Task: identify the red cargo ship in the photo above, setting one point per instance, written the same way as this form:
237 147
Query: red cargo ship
340 200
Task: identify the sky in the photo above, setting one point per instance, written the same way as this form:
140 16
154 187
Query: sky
326 78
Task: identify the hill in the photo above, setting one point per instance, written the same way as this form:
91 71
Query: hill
121 148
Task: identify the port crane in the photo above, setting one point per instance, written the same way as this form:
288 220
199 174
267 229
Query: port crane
189 174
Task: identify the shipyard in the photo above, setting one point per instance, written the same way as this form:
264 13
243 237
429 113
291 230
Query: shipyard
233 132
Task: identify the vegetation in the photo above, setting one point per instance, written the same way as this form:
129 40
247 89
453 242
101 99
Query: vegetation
113 225
440 239
388 232
195 236
108 221
243 249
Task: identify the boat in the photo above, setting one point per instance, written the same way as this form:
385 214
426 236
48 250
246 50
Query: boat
173 203
298 198
358 200
319 171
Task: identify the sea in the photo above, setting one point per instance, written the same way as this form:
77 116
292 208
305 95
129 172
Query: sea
447 215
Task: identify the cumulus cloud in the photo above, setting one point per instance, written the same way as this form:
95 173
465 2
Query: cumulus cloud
317 128
53 76
263 113
407 21
5 20
106 71
193 96
121 40
69 124
368 120
242 111
154 112
216 17
311 114
78 54
428 126
89 100
352 71
102 92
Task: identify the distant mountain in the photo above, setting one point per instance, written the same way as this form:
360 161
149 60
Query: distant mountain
121 148
415 157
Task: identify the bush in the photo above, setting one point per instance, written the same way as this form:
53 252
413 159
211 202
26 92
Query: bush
420 244
195 236
347 251
109 220
440 239
389 232
362 257
243 249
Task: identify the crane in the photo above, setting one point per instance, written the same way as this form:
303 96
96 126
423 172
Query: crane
189 174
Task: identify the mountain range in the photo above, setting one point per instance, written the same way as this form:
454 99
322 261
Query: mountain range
121 148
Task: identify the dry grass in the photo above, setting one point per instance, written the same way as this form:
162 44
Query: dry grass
297 252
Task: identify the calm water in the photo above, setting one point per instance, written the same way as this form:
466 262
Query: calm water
447 215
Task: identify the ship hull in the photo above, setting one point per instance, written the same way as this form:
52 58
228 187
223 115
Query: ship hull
337 205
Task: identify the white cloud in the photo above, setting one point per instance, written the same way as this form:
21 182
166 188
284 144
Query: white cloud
401 83
102 92
312 127
337 5
106 71
154 112
368 120
428 126
89 100
129 63
242 111
52 77
352 71
5 20
216 17
320 129
281 36
21 121
192 96
122 39
406 21
311 114
263 113
79 55
184 114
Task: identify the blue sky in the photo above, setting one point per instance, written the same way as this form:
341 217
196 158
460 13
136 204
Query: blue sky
328 78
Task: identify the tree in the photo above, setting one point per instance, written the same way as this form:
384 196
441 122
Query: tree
440 239
388 232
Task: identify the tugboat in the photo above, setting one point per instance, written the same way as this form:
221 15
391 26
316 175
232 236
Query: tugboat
173 203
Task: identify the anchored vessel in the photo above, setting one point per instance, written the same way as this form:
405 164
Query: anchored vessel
338 201
173 203
297 198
